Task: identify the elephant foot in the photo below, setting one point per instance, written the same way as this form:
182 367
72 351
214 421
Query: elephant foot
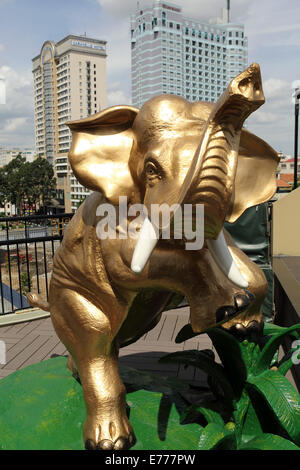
114 433
241 302
252 331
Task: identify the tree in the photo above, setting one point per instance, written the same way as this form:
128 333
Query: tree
13 178
23 183
42 181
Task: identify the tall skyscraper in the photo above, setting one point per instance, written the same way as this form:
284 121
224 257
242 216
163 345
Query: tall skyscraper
69 84
173 54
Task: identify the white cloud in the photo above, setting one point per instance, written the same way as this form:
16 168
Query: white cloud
265 118
1 47
11 125
16 116
276 88
117 97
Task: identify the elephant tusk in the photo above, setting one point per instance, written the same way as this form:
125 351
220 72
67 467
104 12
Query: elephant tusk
222 256
146 243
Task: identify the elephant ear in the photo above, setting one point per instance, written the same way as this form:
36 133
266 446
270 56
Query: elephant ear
255 180
101 146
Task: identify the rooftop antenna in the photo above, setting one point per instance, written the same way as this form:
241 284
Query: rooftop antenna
228 11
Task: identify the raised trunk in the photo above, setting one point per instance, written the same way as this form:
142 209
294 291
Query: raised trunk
213 181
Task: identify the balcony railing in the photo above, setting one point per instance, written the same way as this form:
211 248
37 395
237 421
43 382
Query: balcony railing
27 247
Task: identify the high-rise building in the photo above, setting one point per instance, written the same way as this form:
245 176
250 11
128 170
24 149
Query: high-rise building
173 54
69 83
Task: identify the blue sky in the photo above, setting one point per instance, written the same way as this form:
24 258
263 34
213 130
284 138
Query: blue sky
272 27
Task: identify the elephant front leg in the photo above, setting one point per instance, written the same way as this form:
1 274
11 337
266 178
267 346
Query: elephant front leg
88 334
106 426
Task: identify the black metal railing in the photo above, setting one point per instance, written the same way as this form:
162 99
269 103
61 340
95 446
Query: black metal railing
27 247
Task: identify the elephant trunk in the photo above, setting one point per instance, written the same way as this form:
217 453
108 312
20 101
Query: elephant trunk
213 181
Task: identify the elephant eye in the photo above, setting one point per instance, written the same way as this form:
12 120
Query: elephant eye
150 169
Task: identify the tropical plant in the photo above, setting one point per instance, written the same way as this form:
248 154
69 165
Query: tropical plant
254 406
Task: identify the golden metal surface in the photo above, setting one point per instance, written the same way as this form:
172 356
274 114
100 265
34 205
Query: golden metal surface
171 151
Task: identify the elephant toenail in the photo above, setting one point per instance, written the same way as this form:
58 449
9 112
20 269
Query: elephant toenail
224 313
105 444
239 331
241 301
254 330
120 444
90 445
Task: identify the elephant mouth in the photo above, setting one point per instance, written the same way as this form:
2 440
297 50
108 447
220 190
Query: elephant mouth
149 237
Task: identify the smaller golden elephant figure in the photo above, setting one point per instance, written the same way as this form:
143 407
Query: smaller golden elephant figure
170 152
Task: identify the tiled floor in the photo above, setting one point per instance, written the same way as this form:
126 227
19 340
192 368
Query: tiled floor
35 341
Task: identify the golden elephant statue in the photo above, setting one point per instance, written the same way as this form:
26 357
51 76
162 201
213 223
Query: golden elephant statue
169 152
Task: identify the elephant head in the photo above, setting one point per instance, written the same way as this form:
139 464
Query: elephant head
173 151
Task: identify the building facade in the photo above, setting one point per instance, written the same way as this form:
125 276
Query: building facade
7 154
69 84
287 164
173 54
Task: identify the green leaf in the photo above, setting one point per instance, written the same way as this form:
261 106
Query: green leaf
241 407
230 353
269 442
281 397
271 329
203 361
271 347
185 334
210 415
250 354
251 425
215 436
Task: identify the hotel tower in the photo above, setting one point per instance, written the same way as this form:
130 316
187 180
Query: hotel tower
69 83
173 54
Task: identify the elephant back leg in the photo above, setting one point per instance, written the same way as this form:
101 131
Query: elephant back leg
89 336
248 324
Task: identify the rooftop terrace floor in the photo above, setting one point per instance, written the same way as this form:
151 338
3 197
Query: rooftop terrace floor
30 342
